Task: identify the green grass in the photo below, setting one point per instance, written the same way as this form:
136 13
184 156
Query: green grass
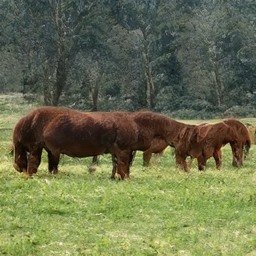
159 211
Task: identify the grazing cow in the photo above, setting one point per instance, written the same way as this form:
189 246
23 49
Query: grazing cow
243 135
156 132
207 140
151 126
243 142
155 127
198 141
74 133
239 129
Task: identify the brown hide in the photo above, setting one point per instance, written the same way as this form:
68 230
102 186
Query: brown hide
252 133
208 140
74 133
213 135
241 131
157 147
159 144
183 145
152 126
157 131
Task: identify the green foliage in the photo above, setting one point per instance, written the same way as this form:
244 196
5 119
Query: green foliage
240 111
155 54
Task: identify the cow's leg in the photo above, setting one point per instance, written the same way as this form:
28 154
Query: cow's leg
238 154
201 161
121 159
114 163
146 157
124 159
53 162
20 158
34 160
129 162
217 157
181 161
95 160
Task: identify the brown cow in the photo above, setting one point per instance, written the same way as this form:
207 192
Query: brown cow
239 128
243 135
74 133
199 142
154 127
151 126
239 146
206 140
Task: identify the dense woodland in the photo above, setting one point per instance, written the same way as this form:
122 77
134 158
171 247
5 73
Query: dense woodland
186 58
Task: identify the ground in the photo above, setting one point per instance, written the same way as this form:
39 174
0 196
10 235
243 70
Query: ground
159 211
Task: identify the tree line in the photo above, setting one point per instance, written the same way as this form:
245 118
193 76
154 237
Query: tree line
187 58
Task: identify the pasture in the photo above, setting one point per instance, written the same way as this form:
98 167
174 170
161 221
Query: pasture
159 211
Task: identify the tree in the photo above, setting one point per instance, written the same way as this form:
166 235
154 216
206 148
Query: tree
173 56
214 41
54 32
145 19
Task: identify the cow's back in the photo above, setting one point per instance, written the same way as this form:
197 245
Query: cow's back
80 134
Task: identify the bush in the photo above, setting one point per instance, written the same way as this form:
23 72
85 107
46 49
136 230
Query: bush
240 111
194 114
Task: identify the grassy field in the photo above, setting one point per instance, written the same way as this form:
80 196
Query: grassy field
159 211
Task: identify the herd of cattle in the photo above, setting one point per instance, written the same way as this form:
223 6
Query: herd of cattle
79 134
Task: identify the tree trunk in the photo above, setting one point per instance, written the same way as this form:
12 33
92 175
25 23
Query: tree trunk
62 48
150 86
61 79
66 52
95 92
47 85
218 83
218 86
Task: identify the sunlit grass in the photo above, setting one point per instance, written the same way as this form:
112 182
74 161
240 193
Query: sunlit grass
159 211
